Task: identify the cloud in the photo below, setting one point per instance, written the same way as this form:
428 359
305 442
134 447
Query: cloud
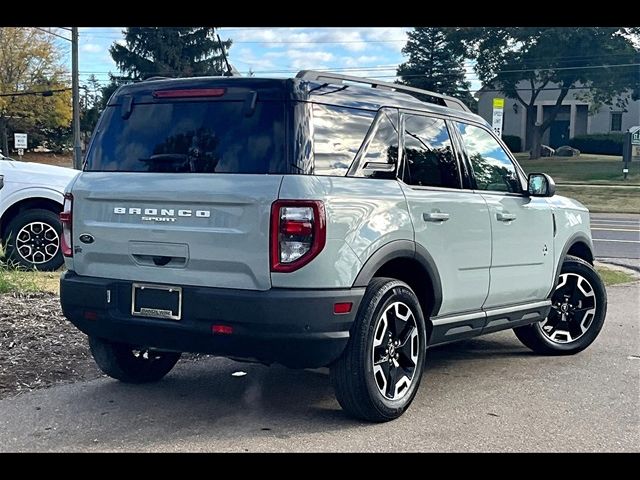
91 48
352 39
304 59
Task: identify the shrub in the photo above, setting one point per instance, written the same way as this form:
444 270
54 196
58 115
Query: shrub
513 142
603 143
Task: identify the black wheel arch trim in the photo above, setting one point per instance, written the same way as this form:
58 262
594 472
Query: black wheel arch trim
403 249
578 237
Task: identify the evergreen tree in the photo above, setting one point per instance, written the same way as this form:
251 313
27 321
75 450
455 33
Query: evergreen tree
169 52
436 63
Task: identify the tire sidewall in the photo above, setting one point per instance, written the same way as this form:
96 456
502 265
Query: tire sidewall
24 218
394 292
592 276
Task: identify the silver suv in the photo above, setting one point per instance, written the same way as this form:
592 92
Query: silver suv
323 220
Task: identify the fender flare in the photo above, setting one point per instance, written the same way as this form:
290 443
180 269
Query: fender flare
571 241
402 249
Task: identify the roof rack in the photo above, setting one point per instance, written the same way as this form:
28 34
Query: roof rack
157 77
314 75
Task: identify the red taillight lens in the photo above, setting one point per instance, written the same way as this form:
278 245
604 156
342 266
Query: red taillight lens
66 218
222 330
189 93
298 233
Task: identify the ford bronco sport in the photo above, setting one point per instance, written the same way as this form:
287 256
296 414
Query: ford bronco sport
324 220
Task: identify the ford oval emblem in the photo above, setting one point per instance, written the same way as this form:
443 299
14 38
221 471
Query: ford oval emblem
86 238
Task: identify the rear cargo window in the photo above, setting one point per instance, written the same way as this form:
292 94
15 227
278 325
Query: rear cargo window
338 133
203 137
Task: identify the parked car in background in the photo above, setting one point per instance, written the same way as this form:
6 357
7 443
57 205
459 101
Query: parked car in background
31 198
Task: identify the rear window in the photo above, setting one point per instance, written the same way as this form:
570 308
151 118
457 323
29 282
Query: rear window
183 137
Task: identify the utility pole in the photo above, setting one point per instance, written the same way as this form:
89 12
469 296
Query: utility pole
75 86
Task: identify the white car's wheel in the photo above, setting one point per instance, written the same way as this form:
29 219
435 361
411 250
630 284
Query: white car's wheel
32 240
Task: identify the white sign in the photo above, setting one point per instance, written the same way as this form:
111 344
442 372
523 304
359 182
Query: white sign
20 152
19 140
498 113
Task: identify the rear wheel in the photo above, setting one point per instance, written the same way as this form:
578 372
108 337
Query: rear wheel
578 310
33 240
378 374
131 364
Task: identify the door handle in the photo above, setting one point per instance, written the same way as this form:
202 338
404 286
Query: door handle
505 217
435 217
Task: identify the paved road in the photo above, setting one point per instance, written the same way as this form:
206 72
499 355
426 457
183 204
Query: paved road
616 235
480 395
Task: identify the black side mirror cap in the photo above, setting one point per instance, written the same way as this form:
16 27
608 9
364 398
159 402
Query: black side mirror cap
540 185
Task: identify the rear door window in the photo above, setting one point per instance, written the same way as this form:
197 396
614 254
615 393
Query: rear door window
186 136
429 157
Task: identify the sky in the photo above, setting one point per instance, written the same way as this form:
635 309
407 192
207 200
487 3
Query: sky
276 52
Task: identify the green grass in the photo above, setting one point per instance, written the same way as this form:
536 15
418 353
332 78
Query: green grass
604 199
593 169
614 277
20 280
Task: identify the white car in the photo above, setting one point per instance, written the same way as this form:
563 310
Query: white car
31 198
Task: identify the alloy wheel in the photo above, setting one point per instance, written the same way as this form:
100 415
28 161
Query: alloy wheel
395 350
37 242
573 308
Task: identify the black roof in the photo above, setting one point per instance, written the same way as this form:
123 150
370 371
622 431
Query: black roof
352 96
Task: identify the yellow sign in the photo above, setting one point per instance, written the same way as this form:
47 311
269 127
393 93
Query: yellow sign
498 103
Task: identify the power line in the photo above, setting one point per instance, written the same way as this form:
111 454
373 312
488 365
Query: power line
45 93
52 33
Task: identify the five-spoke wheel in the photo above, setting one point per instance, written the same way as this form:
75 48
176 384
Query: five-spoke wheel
578 309
378 374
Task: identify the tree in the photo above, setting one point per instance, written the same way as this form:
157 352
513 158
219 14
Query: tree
170 52
523 61
30 62
90 105
436 63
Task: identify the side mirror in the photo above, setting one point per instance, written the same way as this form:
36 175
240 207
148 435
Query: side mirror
541 185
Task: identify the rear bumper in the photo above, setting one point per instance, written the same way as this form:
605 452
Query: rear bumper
294 327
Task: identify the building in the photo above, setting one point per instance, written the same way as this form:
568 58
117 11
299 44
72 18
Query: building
576 117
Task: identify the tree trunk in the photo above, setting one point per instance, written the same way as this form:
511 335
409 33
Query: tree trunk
536 142
532 112
3 137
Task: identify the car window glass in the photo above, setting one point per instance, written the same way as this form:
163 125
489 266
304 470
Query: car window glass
492 168
429 157
338 133
383 147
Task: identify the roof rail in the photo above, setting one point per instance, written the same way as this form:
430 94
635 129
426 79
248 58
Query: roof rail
157 77
314 75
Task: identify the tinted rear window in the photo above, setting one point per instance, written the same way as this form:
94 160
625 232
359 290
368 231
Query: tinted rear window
204 137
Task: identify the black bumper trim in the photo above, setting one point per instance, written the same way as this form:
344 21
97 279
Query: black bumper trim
294 327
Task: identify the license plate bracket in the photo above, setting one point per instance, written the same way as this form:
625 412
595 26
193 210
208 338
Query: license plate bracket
156 301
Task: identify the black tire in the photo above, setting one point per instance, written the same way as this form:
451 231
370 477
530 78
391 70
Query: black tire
38 252
131 364
534 336
352 375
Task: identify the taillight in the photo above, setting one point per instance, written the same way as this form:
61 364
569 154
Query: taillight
298 233
65 218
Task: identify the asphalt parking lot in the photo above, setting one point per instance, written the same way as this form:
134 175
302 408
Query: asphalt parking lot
487 394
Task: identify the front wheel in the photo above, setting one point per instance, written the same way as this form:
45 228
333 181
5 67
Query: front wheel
131 364
578 310
378 374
